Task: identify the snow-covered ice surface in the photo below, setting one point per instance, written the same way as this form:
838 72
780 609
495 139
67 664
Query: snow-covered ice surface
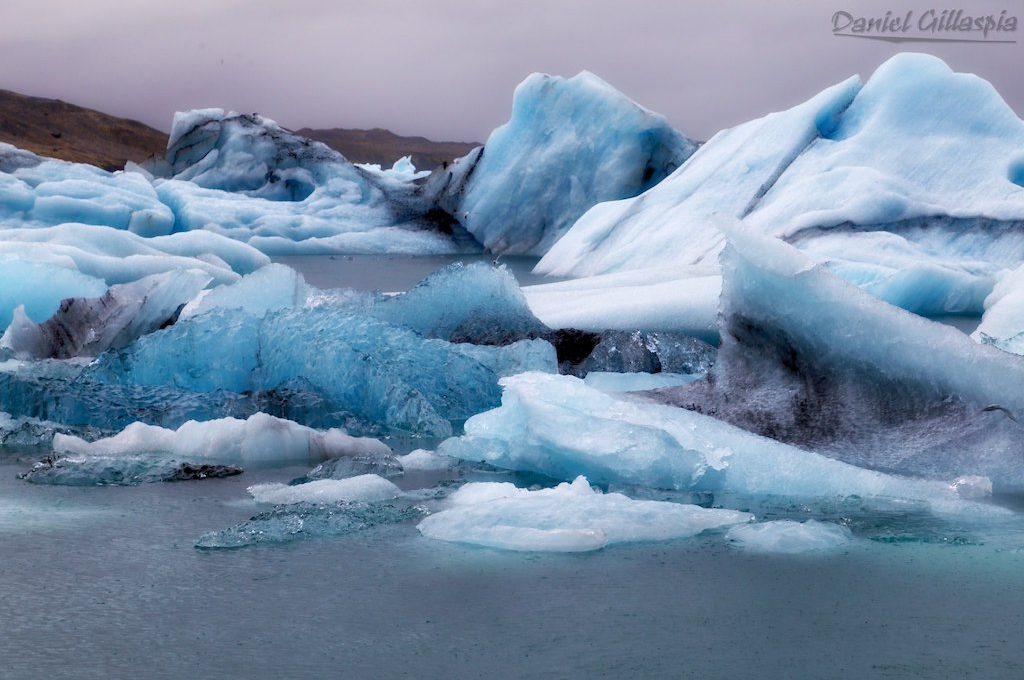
572 517
569 144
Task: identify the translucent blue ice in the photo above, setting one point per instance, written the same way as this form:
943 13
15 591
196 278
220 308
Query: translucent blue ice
570 143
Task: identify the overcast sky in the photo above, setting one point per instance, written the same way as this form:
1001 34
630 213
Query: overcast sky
446 68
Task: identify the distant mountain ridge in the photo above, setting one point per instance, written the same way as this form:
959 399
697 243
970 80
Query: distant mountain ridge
57 129
54 128
385 147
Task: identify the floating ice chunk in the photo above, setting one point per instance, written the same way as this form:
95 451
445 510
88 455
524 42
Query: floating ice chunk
476 303
789 537
89 326
560 427
268 289
571 517
570 143
381 462
364 488
401 171
121 470
259 440
287 523
421 459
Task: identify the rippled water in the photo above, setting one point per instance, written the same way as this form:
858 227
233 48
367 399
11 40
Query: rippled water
106 583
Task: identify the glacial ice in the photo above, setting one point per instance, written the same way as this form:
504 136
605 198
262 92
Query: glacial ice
571 517
809 359
363 488
1002 323
41 192
380 372
569 144
89 326
401 170
560 427
298 521
268 289
421 459
679 299
476 303
245 177
905 185
43 266
788 537
122 470
260 439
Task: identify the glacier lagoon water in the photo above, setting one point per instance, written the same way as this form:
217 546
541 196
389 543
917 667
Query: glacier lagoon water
106 582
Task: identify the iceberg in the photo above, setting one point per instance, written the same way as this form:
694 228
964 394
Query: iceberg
788 537
809 359
569 144
908 185
380 372
246 177
571 517
364 488
560 427
90 326
260 439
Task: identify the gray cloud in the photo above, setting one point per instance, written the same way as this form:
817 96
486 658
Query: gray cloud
447 68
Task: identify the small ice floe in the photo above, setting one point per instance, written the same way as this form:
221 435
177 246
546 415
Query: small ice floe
364 488
571 517
789 537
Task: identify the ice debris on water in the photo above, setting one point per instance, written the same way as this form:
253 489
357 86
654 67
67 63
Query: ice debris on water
298 521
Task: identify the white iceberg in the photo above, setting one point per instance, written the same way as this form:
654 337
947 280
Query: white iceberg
788 537
260 439
571 517
363 488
